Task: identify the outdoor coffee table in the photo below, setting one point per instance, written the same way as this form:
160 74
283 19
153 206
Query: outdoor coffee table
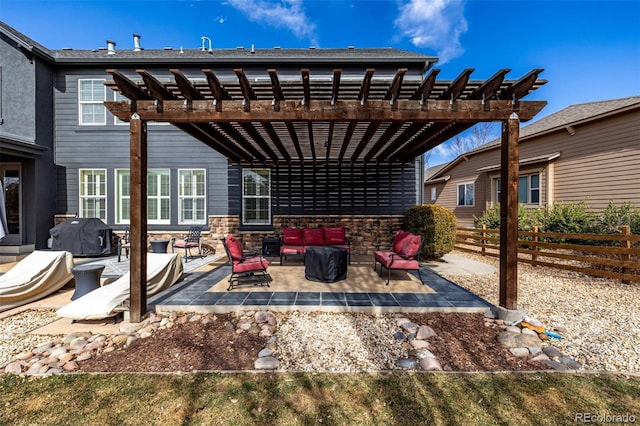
87 278
326 264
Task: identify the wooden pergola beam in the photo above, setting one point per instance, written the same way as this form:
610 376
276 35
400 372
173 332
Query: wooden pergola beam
186 87
366 85
273 135
335 87
138 218
426 86
345 111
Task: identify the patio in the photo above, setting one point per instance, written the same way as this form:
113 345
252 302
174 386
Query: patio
204 291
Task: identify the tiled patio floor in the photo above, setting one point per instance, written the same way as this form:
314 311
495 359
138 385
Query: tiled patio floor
194 295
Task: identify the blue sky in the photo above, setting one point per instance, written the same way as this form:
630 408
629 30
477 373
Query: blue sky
590 50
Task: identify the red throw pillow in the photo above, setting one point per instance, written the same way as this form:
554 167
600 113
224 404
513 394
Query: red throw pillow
234 246
398 241
411 245
335 236
313 237
292 236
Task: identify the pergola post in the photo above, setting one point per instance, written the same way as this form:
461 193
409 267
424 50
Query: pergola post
509 213
138 218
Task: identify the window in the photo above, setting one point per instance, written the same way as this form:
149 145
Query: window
91 95
191 196
433 194
465 194
119 97
528 189
256 197
93 193
158 196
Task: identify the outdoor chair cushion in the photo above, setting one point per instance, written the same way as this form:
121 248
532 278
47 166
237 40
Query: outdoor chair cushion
410 245
398 241
391 260
292 236
235 248
313 237
335 236
251 264
292 249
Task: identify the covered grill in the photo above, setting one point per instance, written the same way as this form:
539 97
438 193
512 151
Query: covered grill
82 237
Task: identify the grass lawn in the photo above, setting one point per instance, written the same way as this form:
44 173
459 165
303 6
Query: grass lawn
312 399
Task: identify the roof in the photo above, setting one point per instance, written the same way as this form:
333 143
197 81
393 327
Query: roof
561 120
25 42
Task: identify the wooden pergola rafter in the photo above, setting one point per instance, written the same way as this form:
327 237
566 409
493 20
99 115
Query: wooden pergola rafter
238 110
271 119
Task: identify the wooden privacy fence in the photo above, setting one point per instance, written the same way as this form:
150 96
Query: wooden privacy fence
614 256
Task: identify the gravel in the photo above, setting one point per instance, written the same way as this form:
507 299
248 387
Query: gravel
599 319
14 332
337 342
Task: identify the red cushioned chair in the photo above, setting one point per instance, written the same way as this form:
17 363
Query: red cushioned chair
404 254
252 267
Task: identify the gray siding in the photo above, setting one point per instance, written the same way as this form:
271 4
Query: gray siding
107 147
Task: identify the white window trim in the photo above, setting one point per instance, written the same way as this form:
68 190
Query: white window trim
102 196
458 194
81 102
161 197
118 197
268 221
180 199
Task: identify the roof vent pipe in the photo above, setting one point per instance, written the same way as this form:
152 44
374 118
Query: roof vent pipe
253 49
203 48
136 43
111 47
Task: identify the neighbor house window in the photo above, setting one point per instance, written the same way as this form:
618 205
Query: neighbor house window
91 97
433 194
528 189
158 196
191 196
465 194
256 196
93 193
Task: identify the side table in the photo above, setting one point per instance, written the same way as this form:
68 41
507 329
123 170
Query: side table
87 278
326 264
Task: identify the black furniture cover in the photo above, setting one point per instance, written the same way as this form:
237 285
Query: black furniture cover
325 264
82 237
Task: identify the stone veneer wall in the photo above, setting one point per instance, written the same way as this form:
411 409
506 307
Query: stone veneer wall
364 232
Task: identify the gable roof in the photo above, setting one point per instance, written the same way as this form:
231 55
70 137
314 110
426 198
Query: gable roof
563 119
25 42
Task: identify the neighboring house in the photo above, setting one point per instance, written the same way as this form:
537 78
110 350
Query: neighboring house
588 152
70 156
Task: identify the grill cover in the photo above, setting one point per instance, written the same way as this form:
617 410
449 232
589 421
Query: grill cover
82 237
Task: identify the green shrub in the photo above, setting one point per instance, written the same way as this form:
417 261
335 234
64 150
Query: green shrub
569 218
436 224
491 218
613 217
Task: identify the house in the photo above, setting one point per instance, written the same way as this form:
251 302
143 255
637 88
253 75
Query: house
588 152
359 168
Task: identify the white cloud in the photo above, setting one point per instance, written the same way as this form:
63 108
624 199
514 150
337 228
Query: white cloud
287 14
220 20
435 24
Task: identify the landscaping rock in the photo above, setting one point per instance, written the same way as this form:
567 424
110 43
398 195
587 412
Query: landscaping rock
512 340
430 364
266 363
424 332
406 363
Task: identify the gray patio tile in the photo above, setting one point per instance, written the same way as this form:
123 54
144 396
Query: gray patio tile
312 302
356 296
257 295
334 302
232 298
284 295
312 295
206 299
333 296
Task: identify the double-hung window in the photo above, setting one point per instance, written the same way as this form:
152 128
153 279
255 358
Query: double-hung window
158 196
93 193
528 189
256 196
465 194
91 96
191 196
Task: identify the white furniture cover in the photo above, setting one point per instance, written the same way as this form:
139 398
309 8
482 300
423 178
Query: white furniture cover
34 277
163 270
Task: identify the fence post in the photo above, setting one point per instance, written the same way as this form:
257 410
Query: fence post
484 241
534 254
625 244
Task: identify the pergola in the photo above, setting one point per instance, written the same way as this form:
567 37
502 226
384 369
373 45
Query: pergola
275 120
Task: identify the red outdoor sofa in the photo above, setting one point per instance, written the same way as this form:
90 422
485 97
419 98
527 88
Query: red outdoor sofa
295 241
